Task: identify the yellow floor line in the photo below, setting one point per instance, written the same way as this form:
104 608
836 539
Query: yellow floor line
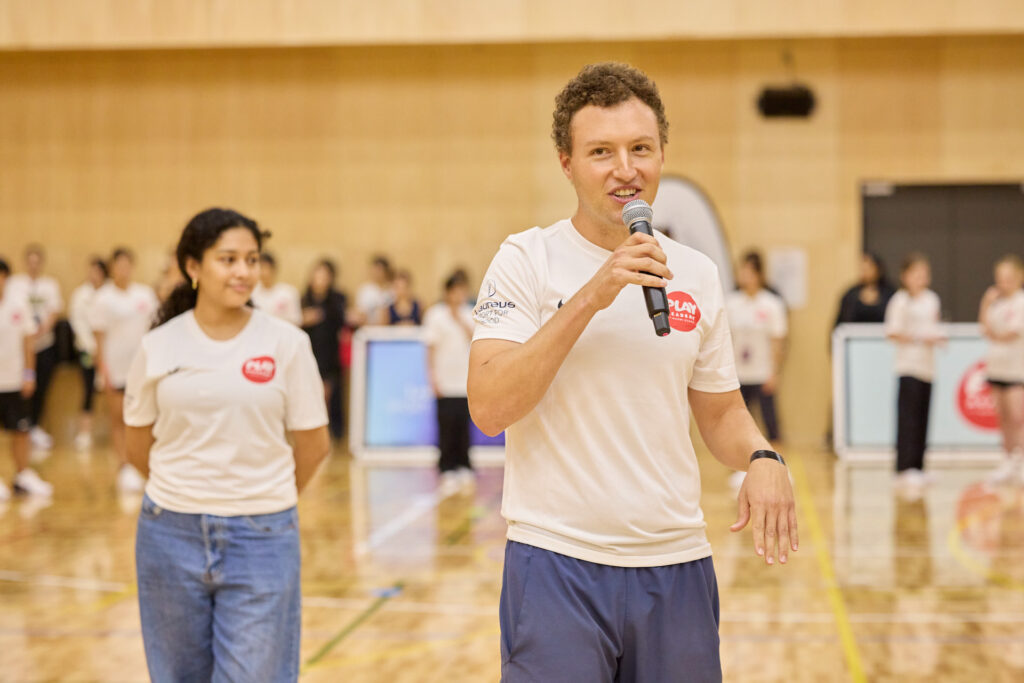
809 517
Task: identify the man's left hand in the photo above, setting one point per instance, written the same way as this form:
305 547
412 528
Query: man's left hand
766 499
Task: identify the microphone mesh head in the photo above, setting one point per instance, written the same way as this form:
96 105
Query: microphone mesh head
636 210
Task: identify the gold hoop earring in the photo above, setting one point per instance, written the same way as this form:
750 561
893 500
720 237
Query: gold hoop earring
195 284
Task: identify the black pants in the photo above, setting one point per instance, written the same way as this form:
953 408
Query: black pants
766 402
335 402
88 368
912 423
453 433
46 363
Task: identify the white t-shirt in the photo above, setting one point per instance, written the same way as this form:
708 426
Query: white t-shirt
754 322
79 314
123 316
44 299
1005 360
220 411
16 323
603 469
450 344
916 317
371 299
282 300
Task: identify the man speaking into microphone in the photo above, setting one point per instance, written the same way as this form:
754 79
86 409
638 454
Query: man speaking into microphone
608 573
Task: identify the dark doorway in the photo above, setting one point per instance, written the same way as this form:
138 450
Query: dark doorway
963 229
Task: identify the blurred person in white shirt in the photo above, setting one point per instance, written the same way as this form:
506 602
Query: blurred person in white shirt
373 296
122 313
279 299
42 293
912 321
79 309
448 333
17 382
1002 322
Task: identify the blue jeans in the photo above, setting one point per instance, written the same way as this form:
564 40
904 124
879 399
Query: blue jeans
565 620
219 597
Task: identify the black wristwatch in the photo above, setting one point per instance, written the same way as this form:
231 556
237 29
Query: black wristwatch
772 455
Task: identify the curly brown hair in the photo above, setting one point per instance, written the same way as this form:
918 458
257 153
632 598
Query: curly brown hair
604 84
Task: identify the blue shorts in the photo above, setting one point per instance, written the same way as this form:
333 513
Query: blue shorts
564 619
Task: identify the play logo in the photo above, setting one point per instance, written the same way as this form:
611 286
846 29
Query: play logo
259 369
974 400
683 314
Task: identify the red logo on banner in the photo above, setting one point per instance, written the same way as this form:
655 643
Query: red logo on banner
259 369
683 314
974 399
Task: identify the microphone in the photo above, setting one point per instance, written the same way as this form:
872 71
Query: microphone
637 216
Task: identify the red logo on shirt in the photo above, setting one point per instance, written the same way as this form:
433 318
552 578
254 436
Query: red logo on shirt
16 318
975 400
683 314
259 369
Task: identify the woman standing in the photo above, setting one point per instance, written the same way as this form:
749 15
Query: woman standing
757 319
212 395
121 314
865 302
405 310
323 319
448 331
1002 321
79 312
912 321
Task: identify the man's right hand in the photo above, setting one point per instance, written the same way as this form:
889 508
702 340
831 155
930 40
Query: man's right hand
639 260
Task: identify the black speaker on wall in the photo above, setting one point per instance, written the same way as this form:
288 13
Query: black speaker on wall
794 101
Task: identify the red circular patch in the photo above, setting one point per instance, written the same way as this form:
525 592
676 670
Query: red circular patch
259 369
683 314
975 400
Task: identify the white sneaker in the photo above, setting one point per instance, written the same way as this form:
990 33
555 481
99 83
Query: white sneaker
83 441
467 479
5 493
910 484
450 484
129 480
29 483
39 439
1009 471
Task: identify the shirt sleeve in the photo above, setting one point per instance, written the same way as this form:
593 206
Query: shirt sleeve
140 408
894 316
96 316
508 306
305 407
714 371
56 300
779 323
431 332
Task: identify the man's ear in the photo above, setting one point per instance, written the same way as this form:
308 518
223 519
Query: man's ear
565 161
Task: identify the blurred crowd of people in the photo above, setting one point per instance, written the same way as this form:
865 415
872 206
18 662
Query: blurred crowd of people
110 311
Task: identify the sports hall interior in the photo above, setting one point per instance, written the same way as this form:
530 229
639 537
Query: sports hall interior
421 129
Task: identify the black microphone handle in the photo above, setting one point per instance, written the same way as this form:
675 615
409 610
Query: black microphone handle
655 297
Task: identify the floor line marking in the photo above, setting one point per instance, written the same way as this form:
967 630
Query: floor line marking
353 625
835 595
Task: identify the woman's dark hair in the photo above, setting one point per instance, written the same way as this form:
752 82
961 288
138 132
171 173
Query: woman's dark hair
97 262
457 278
753 259
122 251
4 268
883 279
332 270
201 233
384 264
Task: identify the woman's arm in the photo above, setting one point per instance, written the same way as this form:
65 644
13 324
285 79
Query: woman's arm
138 441
309 448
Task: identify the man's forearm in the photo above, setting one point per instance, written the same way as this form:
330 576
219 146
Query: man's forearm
734 437
507 386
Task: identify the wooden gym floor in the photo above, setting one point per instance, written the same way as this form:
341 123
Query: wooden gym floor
401 587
